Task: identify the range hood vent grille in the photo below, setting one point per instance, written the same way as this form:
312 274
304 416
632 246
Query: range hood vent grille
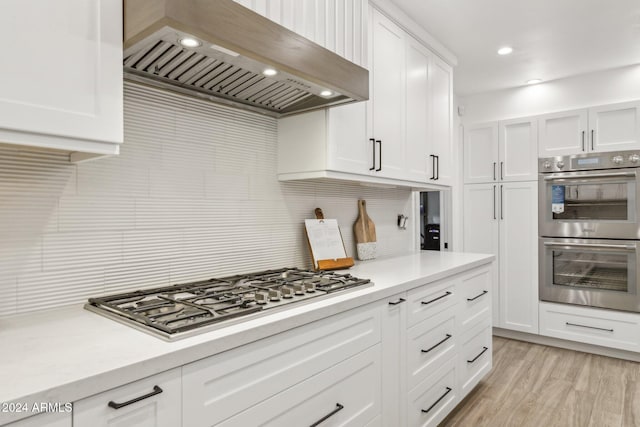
234 46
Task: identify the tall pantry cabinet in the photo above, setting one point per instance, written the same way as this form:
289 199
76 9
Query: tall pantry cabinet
501 214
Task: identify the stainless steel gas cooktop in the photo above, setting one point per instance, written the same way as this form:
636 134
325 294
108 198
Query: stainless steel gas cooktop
178 311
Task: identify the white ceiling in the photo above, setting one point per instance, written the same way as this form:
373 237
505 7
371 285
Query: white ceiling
551 39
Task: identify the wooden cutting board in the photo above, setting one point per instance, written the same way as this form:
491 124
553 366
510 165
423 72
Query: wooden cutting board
365 233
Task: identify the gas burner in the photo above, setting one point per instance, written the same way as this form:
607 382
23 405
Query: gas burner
174 312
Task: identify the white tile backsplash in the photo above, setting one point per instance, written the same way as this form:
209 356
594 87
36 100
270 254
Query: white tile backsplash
193 195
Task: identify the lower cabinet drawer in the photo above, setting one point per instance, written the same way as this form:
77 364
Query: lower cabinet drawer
430 344
589 325
432 399
429 300
51 419
153 401
347 394
221 386
475 290
475 356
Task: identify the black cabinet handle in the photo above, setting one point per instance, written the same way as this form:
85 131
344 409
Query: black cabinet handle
400 300
477 296
494 170
339 408
501 171
590 327
592 131
373 149
433 166
437 401
481 353
432 347
437 168
114 405
446 294
379 157
494 201
501 202
582 140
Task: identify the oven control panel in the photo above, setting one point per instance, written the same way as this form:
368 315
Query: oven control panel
591 161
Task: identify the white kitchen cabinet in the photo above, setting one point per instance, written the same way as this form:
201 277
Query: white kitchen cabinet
432 400
227 385
151 402
51 419
62 88
502 219
337 25
441 120
418 107
501 151
476 361
387 105
394 360
603 128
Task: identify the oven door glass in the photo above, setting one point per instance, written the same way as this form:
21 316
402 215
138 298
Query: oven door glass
601 273
595 204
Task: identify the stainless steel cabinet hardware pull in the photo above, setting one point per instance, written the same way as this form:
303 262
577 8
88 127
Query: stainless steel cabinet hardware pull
339 408
433 166
373 149
114 405
432 347
501 171
501 202
481 353
437 401
400 300
592 245
477 296
380 156
494 201
582 140
592 139
437 168
446 294
494 171
590 176
590 327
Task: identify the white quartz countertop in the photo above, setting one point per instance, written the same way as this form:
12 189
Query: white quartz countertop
67 354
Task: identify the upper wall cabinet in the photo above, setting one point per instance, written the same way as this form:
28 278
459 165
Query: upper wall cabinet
61 78
338 25
501 151
401 136
599 129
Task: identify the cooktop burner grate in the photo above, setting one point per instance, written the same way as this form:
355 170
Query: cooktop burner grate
177 311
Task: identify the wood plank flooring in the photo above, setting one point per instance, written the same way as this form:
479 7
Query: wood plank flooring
534 385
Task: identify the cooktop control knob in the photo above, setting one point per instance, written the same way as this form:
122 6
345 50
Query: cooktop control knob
311 287
547 164
298 289
274 295
560 164
634 158
287 292
262 297
617 160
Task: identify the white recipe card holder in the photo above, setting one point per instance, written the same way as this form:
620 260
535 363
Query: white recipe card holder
326 244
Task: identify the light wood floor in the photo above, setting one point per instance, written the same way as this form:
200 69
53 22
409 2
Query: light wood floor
539 386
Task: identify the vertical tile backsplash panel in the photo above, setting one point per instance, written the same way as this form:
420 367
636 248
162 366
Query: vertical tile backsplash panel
193 195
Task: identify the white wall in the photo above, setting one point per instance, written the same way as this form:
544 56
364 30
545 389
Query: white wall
617 85
193 195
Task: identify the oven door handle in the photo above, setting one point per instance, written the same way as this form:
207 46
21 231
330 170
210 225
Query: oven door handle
558 177
593 245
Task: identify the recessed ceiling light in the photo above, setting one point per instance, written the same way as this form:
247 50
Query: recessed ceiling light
505 50
269 72
534 81
189 42
326 93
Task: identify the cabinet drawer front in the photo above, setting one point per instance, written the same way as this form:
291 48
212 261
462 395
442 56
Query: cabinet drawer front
433 398
158 409
590 325
429 300
475 356
476 294
50 419
223 385
430 344
345 394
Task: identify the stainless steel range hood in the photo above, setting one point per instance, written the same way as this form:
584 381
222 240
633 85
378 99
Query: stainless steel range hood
234 45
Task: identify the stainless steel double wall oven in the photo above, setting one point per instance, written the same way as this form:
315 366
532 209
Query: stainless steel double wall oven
590 230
